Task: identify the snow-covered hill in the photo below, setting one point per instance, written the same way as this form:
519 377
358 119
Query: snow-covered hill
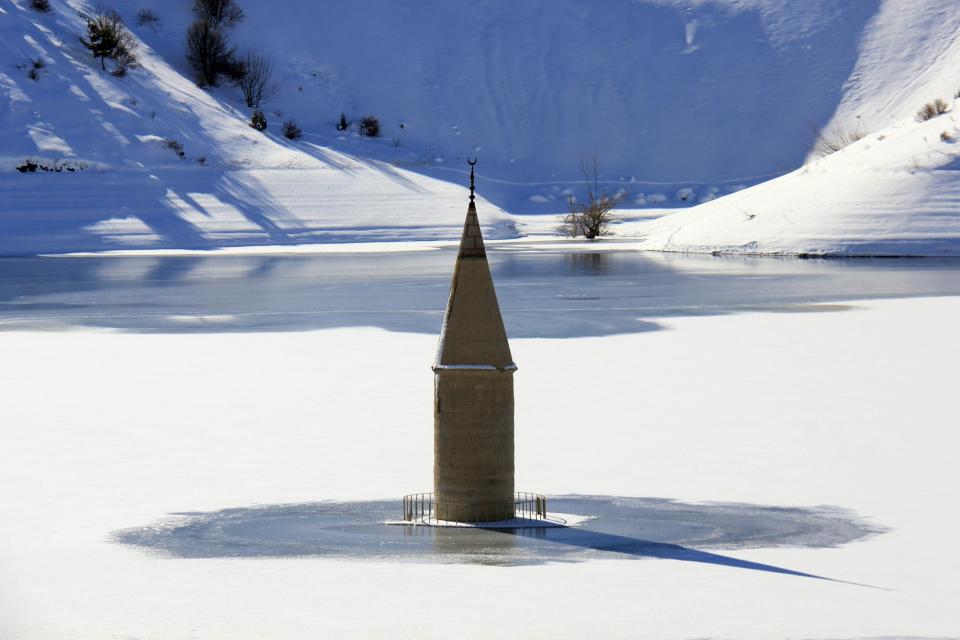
895 192
112 179
683 100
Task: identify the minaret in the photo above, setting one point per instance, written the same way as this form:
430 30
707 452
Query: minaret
473 393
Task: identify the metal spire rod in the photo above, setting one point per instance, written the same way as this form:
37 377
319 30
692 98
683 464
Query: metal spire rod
471 163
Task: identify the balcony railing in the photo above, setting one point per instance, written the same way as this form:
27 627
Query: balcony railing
421 508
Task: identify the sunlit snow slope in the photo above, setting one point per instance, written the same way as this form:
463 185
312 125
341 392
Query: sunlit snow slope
895 192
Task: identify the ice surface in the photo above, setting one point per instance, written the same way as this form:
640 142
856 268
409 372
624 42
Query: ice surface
613 527
108 430
553 291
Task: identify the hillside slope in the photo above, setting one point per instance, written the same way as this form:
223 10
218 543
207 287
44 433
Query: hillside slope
909 54
685 101
112 180
895 192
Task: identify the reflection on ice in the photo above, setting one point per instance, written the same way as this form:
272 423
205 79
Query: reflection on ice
555 293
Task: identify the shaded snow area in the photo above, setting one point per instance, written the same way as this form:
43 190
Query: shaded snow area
685 103
172 485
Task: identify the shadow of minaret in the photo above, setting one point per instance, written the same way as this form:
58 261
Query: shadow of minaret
639 548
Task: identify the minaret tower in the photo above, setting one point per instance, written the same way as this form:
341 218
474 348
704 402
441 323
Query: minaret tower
473 393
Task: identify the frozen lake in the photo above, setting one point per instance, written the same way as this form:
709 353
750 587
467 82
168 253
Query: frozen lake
544 293
241 479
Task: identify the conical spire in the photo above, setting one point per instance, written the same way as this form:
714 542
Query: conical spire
473 335
471 243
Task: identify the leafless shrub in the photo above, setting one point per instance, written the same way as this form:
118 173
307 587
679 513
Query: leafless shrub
945 136
147 18
931 110
256 79
107 37
219 13
291 131
207 51
43 6
343 124
176 147
591 218
825 143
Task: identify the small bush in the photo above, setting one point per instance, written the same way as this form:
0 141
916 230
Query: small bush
931 110
291 131
147 18
369 127
826 143
343 124
176 147
202 161
945 136
258 121
43 6
35 66
107 37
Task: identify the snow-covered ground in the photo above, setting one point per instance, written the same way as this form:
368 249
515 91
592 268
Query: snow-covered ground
105 430
685 102
895 192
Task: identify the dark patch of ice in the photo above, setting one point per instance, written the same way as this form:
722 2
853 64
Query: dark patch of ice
618 527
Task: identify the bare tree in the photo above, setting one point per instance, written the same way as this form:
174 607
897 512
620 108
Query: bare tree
207 51
591 218
255 78
219 13
108 38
